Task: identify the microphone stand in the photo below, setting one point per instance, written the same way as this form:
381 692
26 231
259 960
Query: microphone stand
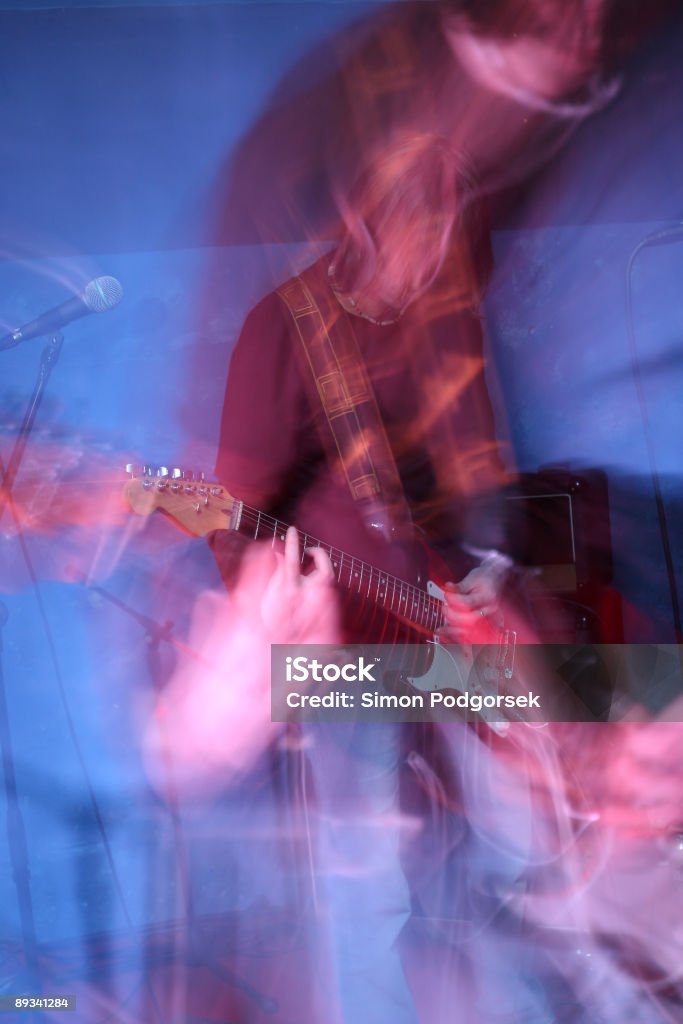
16 837
48 361
16 831
155 635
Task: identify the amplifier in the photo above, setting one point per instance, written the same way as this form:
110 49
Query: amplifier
558 525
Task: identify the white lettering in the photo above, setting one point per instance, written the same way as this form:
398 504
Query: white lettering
298 670
365 672
477 701
386 700
334 699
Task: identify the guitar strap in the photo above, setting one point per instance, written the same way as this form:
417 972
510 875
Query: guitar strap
356 439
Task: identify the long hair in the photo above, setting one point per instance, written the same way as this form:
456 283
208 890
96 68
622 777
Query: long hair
399 216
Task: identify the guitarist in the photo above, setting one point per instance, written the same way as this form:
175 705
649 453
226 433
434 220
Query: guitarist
405 283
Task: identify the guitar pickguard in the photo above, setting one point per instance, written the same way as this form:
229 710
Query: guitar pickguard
453 668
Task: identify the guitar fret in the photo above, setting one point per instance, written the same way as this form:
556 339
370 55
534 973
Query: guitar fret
398 596
384 589
435 616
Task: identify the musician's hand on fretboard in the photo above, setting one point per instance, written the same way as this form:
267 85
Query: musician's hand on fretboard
298 608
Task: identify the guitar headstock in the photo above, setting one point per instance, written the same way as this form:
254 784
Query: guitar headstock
193 503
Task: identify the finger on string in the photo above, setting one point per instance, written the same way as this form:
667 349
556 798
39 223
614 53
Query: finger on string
452 635
462 620
279 562
459 602
467 583
322 563
292 556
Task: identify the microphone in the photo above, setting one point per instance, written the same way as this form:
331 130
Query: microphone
97 297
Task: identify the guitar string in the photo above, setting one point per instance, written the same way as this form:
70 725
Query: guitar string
419 606
426 612
425 606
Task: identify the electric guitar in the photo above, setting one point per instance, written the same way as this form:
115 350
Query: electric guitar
200 507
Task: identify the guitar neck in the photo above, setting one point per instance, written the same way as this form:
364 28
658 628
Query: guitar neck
404 600
201 507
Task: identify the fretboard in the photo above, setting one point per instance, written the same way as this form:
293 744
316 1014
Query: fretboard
404 600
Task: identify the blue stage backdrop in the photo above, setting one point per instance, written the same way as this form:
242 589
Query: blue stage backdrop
118 123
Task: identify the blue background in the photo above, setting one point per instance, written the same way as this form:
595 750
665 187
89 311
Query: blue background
117 120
